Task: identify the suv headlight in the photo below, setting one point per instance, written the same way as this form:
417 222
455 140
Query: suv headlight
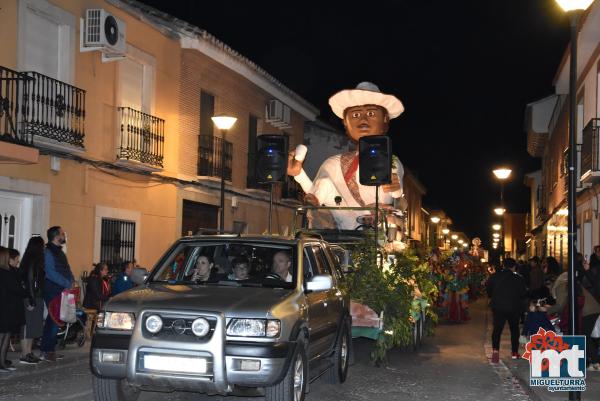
254 328
115 320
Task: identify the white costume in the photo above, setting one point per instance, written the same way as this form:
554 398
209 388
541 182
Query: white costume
330 182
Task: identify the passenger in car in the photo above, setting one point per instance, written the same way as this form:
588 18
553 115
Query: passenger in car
241 269
202 269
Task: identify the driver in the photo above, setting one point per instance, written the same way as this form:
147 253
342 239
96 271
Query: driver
281 267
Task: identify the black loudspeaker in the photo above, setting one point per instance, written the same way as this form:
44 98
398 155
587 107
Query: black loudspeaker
271 158
375 160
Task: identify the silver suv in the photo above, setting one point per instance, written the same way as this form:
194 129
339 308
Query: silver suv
227 315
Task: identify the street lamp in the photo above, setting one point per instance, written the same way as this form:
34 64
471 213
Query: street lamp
574 8
502 175
499 211
496 235
223 123
435 219
454 237
496 227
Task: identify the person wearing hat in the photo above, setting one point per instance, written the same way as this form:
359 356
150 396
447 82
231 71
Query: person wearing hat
365 111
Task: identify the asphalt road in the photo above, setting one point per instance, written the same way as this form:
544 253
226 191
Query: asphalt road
450 366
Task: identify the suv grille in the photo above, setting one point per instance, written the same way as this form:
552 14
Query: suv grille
178 328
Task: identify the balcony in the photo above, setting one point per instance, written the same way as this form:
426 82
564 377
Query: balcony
211 157
141 139
16 144
565 169
54 114
590 170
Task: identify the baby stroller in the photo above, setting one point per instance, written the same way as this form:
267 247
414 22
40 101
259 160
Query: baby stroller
72 332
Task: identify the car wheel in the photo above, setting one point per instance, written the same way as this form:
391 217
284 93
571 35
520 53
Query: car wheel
81 338
293 385
113 390
341 357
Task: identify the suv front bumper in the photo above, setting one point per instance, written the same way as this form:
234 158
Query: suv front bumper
230 364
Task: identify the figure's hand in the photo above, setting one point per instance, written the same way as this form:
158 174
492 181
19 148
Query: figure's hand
294 166
394 186
310 199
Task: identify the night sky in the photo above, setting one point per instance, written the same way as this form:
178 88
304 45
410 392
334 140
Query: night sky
464 70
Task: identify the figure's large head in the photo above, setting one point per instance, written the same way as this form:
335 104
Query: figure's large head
365 110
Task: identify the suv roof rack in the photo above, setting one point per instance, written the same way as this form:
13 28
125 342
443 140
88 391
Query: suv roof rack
308 234
216 231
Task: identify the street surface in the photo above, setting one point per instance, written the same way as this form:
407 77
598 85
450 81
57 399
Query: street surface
450 366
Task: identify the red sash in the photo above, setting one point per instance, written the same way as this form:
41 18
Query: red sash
349 165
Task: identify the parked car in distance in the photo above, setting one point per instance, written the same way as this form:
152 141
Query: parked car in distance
268 317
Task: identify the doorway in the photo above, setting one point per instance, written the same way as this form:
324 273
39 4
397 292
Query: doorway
15 220
196 216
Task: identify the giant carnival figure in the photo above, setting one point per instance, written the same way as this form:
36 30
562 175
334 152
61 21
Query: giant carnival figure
365 111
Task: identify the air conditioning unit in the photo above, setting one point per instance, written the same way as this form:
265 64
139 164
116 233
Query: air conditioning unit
102 31
278 114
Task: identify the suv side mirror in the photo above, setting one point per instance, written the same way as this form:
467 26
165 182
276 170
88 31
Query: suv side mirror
320 282
139 275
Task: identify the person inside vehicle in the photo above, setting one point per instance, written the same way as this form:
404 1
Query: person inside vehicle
202 270
281 267
241 269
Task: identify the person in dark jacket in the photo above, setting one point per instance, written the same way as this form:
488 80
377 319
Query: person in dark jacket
12 316
58 278
123 282
507 292
97 290
33 276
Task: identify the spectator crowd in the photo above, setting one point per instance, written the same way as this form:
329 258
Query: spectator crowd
31 287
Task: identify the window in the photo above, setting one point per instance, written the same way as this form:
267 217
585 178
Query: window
136 80
321 259
46 40
117 242
207 110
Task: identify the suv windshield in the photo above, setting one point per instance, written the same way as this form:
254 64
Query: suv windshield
229 264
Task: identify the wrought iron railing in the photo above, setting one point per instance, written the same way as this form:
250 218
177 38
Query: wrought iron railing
55 110
14 92
211 156
142 137
590 149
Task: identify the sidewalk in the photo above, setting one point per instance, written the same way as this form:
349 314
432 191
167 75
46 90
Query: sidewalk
73 355
519 370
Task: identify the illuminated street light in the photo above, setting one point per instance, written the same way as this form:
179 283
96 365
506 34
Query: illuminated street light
435 219
499 211
223 123
502 173
460 241
496 235
454 237
465 245
573 5
445 231
496 227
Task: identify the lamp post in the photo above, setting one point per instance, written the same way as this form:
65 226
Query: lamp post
434 232
574 8
502 175
445 231
223 123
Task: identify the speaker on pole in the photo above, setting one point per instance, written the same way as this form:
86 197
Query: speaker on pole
375 160
271 158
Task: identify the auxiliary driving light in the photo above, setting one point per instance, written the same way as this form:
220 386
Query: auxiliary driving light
111 357
249 365
154 323
200 327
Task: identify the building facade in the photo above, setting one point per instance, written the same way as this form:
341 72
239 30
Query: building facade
114 142
547 126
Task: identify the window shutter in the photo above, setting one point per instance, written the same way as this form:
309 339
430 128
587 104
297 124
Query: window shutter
207 110
131 77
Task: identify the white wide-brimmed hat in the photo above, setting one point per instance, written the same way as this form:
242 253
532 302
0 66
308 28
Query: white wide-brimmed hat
365 93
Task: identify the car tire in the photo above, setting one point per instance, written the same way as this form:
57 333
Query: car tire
113 390
338 373
293 385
